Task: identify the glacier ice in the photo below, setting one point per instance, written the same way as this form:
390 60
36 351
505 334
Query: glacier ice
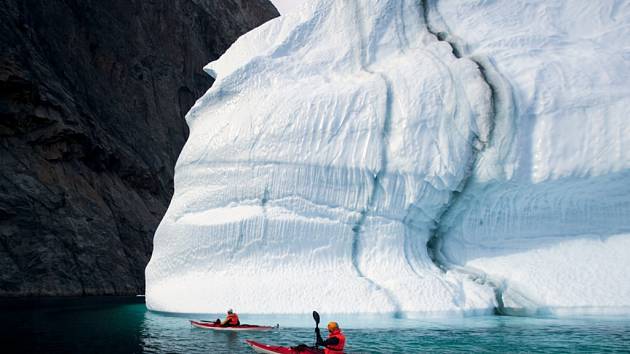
546 212
339 139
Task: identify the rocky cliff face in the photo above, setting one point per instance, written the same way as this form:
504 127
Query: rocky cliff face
92 100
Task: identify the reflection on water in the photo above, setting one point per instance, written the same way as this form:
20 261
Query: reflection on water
73 325
123 325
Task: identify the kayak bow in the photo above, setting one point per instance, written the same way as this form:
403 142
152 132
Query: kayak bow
276 349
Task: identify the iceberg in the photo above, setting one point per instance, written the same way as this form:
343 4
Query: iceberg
408 158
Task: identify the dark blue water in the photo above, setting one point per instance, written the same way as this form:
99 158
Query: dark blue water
123 325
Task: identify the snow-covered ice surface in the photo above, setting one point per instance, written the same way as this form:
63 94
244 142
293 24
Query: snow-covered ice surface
340 138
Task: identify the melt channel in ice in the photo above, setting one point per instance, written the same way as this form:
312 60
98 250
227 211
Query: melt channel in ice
317 167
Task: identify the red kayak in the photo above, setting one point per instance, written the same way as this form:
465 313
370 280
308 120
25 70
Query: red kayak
275 349
244 327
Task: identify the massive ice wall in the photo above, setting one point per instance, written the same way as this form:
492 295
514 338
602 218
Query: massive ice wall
317 165
546 215
338 140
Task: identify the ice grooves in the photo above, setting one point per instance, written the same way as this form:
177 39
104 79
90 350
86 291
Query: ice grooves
434 245
357 228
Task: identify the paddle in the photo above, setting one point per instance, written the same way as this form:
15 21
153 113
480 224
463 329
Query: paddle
316 318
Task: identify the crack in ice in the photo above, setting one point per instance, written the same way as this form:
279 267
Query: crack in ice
500 106
356 240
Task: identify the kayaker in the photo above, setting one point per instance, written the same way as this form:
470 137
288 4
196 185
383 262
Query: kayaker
336 339
231 320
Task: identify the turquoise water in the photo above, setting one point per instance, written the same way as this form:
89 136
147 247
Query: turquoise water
123 325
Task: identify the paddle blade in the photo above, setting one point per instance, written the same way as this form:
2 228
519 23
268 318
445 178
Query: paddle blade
316 317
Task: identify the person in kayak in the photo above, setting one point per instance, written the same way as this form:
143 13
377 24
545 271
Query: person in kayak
230 321
336 339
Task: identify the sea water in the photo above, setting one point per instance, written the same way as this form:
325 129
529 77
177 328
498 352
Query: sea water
124 325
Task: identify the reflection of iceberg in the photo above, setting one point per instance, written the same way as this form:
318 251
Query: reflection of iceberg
338 140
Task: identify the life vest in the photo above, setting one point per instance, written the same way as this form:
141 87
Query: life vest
337 348
232 319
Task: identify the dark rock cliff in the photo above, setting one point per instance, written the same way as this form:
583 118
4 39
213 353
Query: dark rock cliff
92 102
